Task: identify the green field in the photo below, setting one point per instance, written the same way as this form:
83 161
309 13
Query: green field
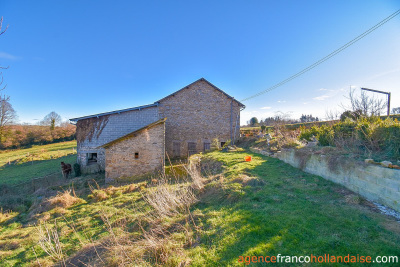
17 166
293 213
260 208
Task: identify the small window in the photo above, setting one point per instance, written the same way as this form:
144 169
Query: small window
222 144
207 146
91 158
191 148
136 155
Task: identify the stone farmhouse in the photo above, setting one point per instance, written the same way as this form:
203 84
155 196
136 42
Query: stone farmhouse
134 141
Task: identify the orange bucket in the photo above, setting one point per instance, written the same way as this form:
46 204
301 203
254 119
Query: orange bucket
247 158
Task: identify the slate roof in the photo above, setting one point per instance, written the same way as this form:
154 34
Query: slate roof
132 134
113 112
155 104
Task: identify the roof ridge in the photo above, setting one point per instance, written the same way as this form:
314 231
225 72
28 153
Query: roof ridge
205 80
113 112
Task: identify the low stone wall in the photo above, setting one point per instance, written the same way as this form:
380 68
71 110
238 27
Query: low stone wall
374 182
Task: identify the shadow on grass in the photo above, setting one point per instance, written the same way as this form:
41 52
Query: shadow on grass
294 213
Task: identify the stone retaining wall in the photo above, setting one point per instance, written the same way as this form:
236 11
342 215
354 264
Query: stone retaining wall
374 182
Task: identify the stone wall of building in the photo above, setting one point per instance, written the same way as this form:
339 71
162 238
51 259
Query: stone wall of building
149 144
196 116
94 132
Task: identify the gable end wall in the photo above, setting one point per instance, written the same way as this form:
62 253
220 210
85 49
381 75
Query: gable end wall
198 114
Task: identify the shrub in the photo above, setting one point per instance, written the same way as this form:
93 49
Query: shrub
263 128
344 129
352 115
386 135
77 170
325 136
308 134
371 135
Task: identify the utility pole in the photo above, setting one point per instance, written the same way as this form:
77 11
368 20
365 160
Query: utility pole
386 93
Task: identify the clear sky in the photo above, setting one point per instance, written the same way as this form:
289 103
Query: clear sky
84 57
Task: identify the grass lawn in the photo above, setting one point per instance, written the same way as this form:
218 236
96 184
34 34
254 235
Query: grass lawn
294 213
264 207
37 161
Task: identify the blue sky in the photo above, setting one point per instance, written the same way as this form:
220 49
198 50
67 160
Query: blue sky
84 57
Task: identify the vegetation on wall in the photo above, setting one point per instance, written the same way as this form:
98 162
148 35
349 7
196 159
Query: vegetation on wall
369 136
88 127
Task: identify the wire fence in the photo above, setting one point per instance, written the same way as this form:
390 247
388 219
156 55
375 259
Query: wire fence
36 157
34 184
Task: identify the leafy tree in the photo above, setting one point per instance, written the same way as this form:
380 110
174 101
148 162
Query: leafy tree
253 121
308 118
52 119
353 115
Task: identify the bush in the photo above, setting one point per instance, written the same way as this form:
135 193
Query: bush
77 170
344 129
370 135
308 134
325 136
352 115
386 135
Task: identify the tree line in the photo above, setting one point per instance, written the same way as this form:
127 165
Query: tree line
280 117
45 132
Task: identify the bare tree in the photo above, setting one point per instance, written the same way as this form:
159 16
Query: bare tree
1 67
52 119
365 105
7 114
331 115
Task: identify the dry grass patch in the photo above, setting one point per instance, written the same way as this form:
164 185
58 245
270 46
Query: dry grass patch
42 263
6 215
65 199
248 181
112 191
99 195
130 188
43 209
49 241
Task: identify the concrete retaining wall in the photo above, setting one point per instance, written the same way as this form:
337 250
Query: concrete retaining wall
374 182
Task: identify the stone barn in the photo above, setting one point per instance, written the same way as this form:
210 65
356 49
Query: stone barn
139 152
134 141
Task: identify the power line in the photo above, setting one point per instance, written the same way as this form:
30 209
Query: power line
322 60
